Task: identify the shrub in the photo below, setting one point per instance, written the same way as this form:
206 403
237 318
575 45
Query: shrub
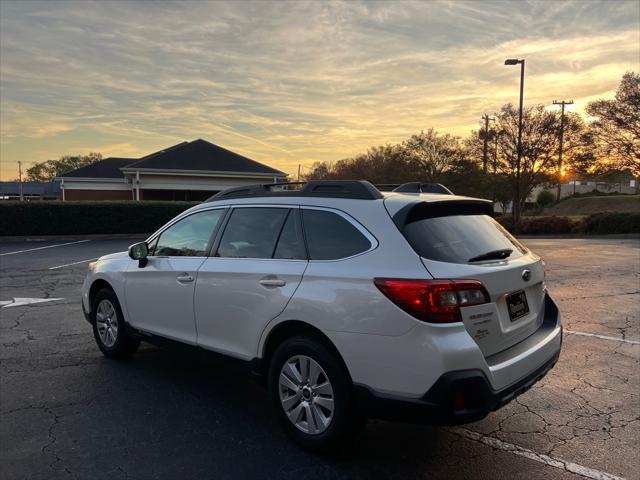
82 218
540 225
610 222
544 198
553 225
597 224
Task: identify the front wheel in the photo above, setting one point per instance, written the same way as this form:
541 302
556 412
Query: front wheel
313 395
109 328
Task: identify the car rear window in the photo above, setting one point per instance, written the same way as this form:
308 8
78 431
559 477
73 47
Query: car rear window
459 238
330 236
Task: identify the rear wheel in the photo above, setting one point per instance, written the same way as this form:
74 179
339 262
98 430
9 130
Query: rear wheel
109 328
313 394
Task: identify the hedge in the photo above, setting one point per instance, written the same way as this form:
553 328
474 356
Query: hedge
83 218
540 225
609 222
596 224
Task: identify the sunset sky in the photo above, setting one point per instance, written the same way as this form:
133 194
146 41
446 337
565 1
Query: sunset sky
289 82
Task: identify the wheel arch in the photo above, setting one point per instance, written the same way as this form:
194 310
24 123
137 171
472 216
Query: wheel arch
97 285
288 329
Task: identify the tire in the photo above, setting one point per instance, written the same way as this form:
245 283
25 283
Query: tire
333 429
109 328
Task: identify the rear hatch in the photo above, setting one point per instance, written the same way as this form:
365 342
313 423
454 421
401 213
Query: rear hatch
459 239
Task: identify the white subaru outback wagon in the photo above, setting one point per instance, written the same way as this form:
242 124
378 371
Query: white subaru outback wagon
349 303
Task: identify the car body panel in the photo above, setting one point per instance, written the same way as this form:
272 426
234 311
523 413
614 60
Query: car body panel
232 307
158 301
489 324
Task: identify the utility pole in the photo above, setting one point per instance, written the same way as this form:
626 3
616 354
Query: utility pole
298 172
20 179
495 165
495 153
562 103
485 148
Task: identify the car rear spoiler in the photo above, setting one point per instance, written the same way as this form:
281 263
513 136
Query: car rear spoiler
421 210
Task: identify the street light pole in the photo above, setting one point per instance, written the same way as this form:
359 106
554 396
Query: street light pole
495 166
516 206
562 103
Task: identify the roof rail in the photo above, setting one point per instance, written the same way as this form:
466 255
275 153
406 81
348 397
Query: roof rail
355 189
418 187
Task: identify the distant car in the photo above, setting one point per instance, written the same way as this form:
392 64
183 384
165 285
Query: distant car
350 303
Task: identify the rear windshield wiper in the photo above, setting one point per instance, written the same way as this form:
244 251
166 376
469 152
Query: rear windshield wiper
493 255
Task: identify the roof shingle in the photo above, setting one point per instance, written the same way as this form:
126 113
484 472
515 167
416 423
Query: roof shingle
107 168
203 156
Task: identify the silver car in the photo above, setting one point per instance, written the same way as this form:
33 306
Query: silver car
349 303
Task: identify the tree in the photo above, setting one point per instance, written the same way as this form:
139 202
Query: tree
432 154
544 198
540 142
48 170
425 157
617 124
383 164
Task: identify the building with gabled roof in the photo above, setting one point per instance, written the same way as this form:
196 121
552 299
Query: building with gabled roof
186 171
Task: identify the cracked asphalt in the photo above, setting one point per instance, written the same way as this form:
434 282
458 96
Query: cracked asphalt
68 412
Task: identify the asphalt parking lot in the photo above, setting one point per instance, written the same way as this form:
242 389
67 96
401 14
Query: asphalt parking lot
68 412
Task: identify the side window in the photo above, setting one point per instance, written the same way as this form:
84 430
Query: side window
252 232
190 236
330 236
291 243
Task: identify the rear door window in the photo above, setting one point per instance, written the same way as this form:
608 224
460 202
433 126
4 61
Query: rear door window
331 236
252 232
460 238
291 242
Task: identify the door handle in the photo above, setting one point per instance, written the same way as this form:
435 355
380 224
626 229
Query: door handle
185 278
272 282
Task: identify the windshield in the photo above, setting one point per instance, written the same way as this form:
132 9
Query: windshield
461 238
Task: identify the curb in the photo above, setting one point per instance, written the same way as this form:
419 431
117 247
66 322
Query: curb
101 236
582 236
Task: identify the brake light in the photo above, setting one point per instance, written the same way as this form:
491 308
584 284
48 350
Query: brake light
435 301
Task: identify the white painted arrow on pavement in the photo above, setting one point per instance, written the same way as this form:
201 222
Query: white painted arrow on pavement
19 302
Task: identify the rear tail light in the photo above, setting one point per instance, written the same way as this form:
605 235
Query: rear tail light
435 301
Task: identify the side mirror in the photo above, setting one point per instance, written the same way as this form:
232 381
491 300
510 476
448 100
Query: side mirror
139 251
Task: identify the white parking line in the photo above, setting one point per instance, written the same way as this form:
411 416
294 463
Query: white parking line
74 263
581 470
603 337
42 248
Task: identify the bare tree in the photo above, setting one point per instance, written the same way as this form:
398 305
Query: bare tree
433 153
617 124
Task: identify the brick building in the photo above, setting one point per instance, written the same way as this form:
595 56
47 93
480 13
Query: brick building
186 171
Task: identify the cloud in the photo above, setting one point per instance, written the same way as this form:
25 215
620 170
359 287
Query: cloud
290 82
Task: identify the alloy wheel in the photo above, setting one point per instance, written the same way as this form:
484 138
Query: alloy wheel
107 323
306 394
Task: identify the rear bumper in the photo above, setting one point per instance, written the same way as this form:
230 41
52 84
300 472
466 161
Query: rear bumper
465 396
456 398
